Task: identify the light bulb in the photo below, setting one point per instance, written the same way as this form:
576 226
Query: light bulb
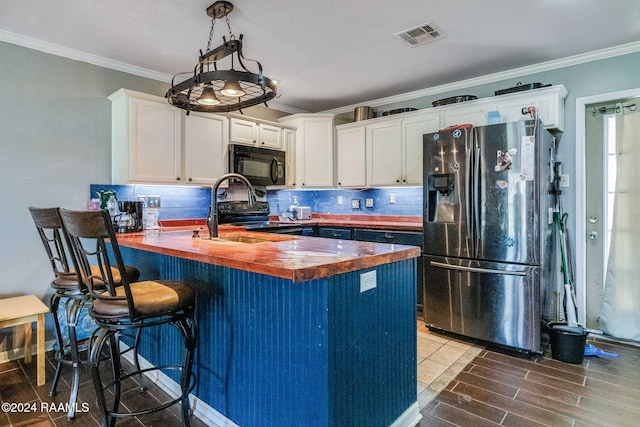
208 97
232 89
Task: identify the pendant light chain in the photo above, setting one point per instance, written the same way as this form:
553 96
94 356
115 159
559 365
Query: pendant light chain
231 35
213 24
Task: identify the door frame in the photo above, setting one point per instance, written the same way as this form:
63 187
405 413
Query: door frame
581 195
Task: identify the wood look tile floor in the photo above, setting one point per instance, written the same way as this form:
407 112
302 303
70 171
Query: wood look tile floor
459 384
496 389
18 385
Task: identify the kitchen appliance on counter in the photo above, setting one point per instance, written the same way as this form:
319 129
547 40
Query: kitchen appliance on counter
301 212
129 220
261 166
488 241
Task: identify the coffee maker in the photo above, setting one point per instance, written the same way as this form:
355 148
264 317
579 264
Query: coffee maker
129 220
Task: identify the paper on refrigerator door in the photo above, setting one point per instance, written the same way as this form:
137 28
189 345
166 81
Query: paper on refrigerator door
528 158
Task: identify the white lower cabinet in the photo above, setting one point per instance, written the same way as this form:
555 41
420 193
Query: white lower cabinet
153 142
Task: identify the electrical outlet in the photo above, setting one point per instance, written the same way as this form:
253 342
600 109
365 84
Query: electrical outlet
564 180
392 199
355 203
368 202
340 200
153 201
143 199
368 281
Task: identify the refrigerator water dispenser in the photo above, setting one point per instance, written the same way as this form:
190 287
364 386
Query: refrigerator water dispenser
441 200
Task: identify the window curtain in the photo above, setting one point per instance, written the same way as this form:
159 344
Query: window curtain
620 315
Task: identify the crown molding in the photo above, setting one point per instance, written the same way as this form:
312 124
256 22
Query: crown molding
492 78
77 55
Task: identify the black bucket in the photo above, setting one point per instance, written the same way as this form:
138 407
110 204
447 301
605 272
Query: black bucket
567 342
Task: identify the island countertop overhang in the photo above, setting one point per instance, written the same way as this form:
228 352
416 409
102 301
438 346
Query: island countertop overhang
298 258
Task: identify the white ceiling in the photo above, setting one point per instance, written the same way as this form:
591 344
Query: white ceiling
326 54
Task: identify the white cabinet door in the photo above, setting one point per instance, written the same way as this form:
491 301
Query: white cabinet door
412 147
289 145
475 114
205 148
548 108
154 143
269 136
243 131
384 154
316 157
350 146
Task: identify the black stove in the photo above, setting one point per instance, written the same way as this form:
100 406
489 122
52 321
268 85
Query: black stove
241 212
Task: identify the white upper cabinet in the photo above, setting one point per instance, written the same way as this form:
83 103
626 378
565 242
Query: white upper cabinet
289 145
251 132
413 130
384 153
156 143
351 164
389 151
314 149
205 148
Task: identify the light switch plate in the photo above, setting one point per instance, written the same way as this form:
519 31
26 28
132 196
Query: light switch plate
340 200
392 199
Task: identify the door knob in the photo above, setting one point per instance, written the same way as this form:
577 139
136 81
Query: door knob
593 235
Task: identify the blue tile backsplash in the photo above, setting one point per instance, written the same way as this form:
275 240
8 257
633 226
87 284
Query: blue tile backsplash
182 202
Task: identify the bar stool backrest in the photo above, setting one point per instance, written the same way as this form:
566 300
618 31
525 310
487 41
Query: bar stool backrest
91 234
56 244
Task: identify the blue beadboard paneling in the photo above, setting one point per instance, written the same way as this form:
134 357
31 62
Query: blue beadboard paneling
274 353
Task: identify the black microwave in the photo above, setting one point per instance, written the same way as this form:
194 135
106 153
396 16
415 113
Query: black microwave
261 166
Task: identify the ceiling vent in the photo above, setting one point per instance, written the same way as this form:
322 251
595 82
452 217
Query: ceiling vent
421 34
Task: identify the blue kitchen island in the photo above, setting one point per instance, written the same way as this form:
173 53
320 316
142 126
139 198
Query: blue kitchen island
287 335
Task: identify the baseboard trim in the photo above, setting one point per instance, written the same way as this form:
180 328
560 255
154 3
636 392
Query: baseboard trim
204 412
18 353
409 418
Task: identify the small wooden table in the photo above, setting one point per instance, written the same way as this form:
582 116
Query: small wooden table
24 311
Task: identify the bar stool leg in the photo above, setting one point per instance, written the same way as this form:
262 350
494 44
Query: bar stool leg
72 322
96 352
54 303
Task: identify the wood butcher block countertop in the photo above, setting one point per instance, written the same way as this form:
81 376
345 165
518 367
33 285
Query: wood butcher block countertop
297 258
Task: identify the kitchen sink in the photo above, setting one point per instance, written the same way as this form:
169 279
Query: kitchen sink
238 239
249 239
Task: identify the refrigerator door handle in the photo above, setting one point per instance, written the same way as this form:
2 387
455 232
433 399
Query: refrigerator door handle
477 269
468 196
476 201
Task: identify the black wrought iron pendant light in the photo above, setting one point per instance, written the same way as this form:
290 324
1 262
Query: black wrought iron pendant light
212 90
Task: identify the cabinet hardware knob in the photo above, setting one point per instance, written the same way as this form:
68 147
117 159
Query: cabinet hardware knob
339 183
190 179
397 180
177 178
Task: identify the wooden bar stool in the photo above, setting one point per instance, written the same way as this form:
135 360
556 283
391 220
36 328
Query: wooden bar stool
25 310
134 306
67 284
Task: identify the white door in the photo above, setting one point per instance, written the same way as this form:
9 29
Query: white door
205 148
600 164
351 157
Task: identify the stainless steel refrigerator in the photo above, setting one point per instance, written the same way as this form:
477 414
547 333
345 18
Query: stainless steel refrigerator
488 231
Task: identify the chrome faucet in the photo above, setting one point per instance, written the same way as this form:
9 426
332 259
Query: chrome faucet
212 217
